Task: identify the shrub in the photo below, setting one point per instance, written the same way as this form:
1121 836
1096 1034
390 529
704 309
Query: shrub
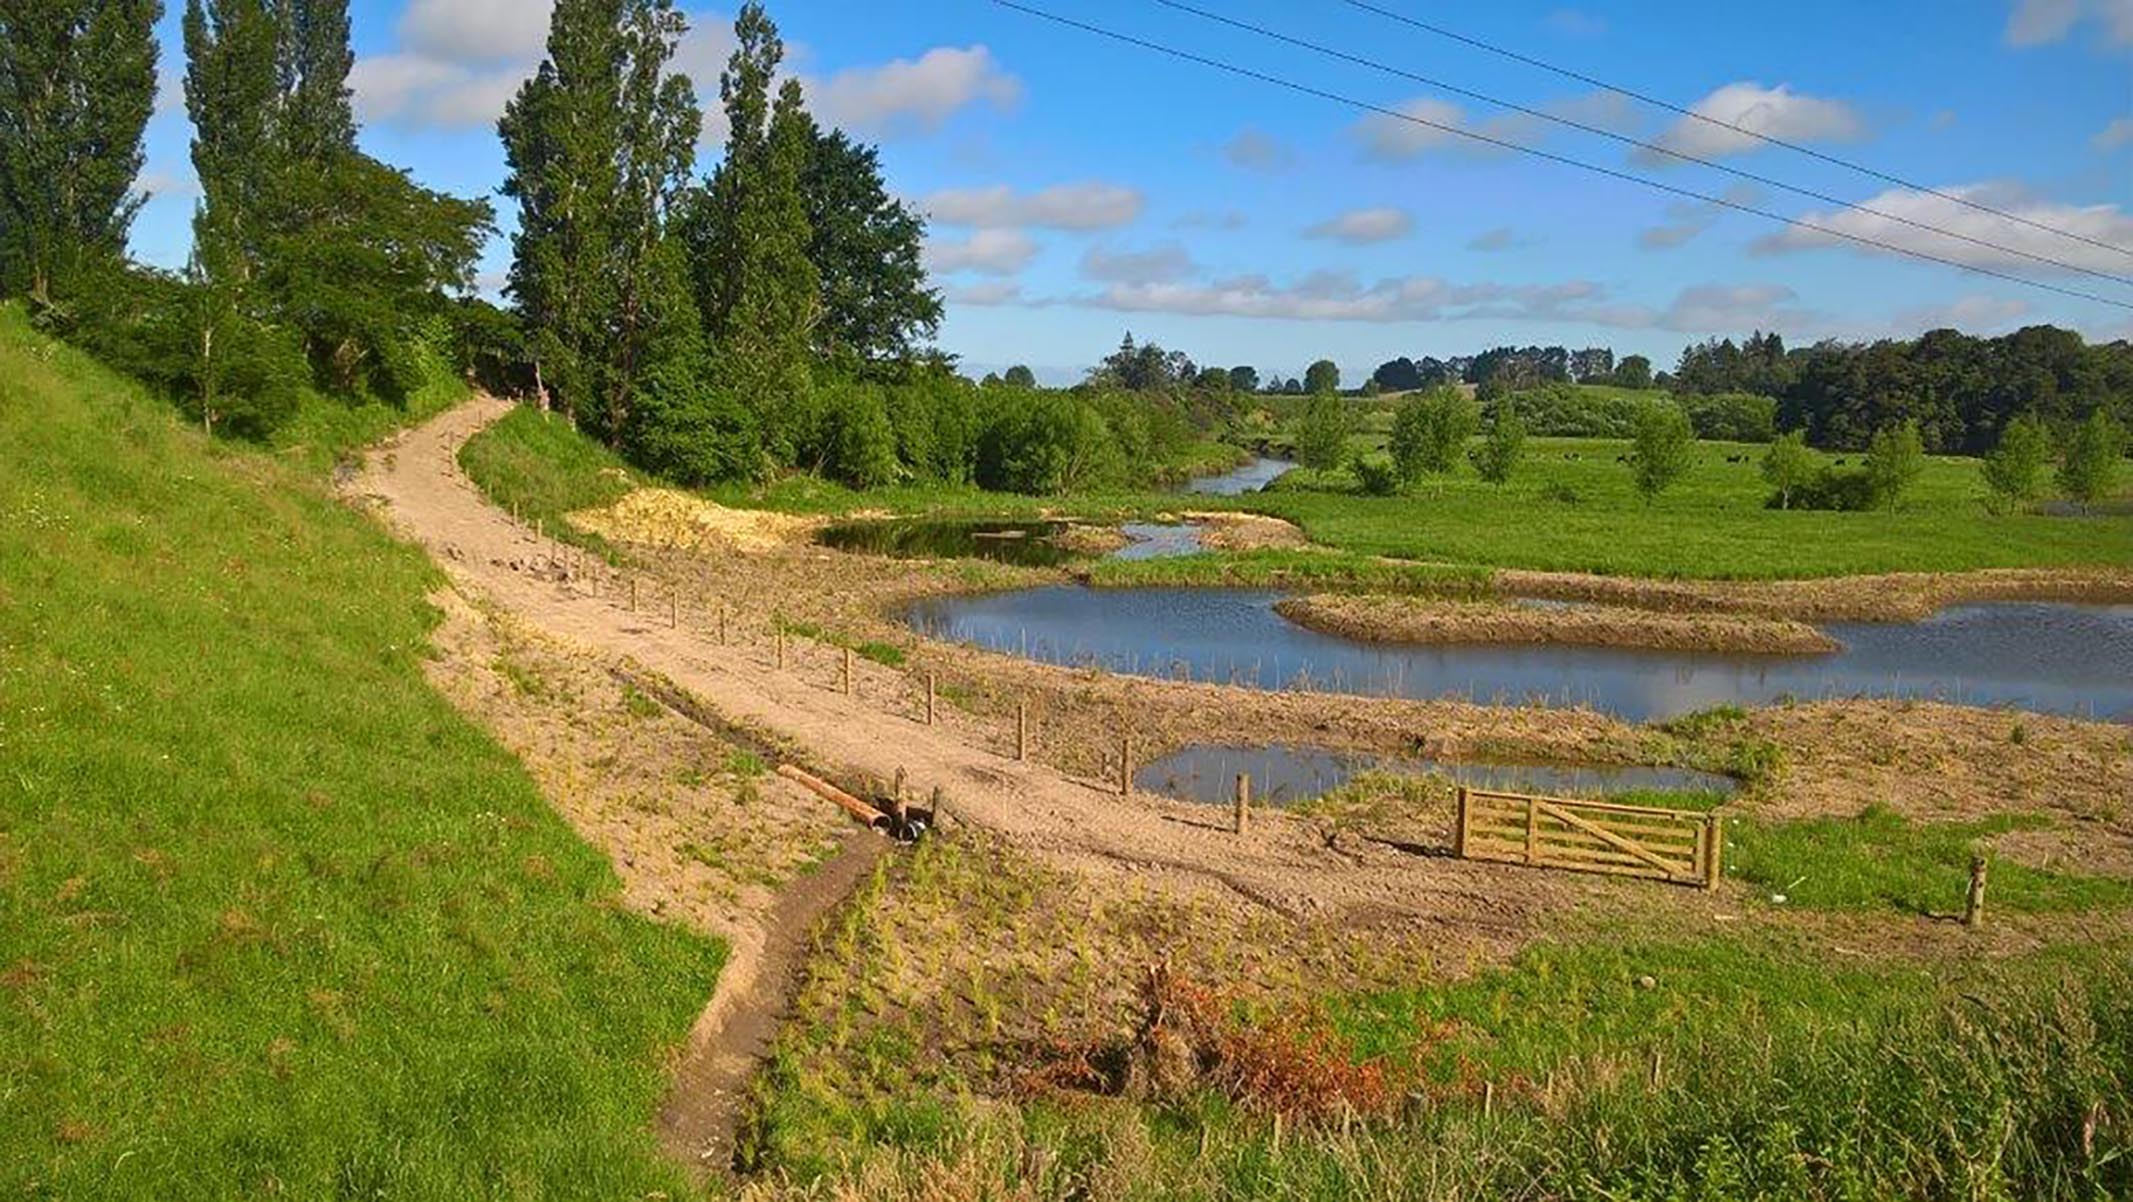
1663 448
1733 416
1375 476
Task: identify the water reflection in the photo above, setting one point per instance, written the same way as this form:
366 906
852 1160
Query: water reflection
2053 658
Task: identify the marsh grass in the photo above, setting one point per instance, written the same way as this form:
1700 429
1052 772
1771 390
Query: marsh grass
1282 569
275 918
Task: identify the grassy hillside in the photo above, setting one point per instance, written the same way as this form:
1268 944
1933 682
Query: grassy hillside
273 917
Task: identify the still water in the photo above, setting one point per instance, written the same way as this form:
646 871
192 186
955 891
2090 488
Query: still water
2052 658
1251 477
1286 775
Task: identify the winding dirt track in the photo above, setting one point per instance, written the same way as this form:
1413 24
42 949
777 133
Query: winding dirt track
1284 864
416 484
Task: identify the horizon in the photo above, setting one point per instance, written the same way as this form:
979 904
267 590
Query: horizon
1250 226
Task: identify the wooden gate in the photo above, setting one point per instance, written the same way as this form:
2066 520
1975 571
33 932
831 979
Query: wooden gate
1590 836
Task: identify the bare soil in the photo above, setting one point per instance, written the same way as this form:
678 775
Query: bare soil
1891 597
1385 619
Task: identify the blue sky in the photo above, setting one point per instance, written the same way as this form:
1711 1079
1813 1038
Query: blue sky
1079 188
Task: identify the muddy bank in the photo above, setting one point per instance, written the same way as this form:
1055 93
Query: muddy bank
1890 597
1382 619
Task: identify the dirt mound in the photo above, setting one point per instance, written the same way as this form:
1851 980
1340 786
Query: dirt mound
662 517
1225 531
1407 620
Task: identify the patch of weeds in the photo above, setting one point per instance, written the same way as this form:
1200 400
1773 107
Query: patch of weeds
1880 859
1698 723
523 679
638 704
745 764
885 654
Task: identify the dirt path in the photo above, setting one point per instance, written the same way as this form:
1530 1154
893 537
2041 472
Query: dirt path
1286 865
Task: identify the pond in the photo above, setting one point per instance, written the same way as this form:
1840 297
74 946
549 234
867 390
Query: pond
1028 544
1286 775
1252 477
2052 658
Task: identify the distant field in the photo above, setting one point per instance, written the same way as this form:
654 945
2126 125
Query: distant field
274 919
1572 507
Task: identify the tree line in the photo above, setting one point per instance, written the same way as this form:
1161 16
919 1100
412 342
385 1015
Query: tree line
1963 391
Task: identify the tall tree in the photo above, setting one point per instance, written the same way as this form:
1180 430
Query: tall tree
1322 376
77 85
1788 466
866 247
599 144
1894 458
2089 471
748 238
1663 448
2014 470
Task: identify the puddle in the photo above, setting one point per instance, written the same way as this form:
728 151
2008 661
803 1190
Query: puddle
1028 544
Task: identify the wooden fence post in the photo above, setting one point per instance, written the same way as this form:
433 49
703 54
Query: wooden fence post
1464 823
1022 729
932 688
1244 802
633 594
1714 853
896 797
1532 831
781 648
1974 902
1125 766
722 623
847 671
673 609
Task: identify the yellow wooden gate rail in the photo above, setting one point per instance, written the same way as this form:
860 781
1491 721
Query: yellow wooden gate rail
1590 836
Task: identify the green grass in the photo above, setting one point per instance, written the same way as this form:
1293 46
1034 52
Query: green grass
1881 860
1644 1062
1302 569
274 918
1711 524
541 466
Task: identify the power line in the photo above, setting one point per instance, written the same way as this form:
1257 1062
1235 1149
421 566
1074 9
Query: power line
1670 106
1654 147
1688 193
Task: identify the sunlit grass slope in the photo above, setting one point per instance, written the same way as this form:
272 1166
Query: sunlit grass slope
274 919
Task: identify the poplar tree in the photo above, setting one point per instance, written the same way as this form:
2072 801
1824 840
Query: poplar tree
599 144
77 86
748 238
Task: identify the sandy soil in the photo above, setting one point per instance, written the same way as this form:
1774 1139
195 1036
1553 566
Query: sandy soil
1385 619
1230 531
662 517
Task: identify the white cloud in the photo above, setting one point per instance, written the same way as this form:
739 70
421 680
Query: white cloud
416 91
1163 264
987 251
476 31
460 62
1341 296
1687 220
913 94
1429 124
1971 314
2040 22
2104 223
1363 227
2118 133
986 294
1083 206
1426 124
1777 112
1256 150
1502 238
1225 220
